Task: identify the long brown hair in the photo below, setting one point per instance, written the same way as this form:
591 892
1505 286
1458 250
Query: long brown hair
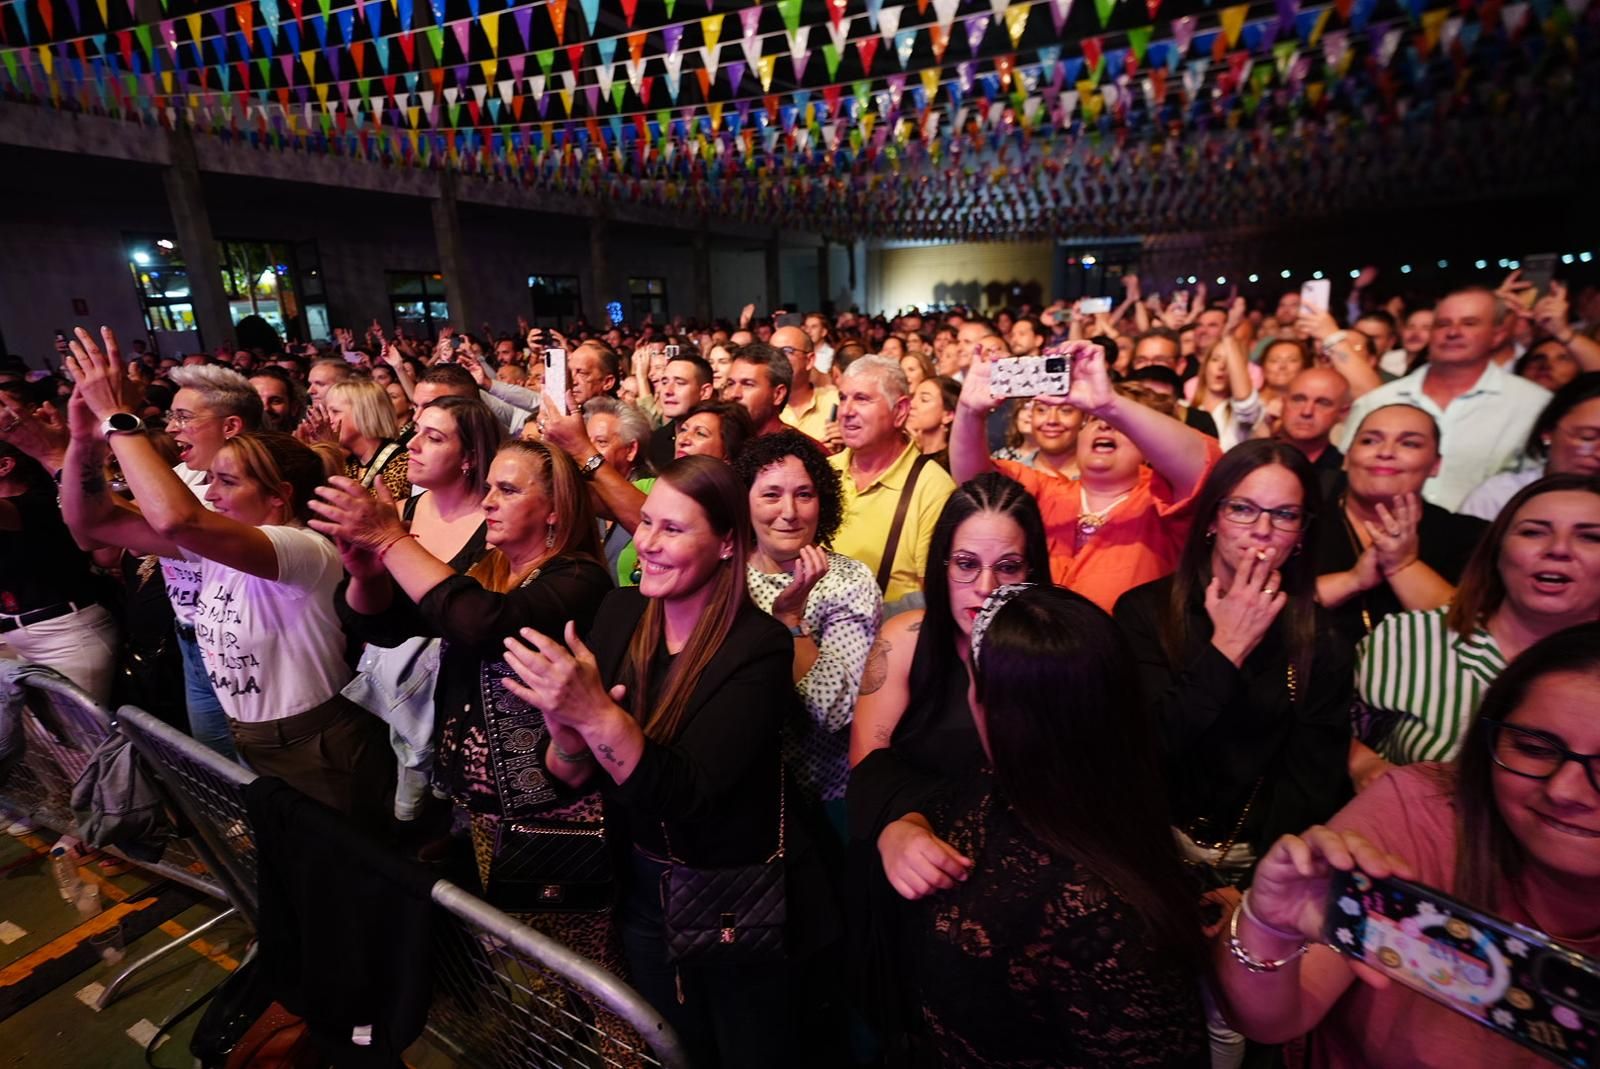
1481 590
712 485
576 532
1298 618
1487 853
274 459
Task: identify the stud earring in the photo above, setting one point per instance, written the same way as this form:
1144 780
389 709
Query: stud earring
1211 535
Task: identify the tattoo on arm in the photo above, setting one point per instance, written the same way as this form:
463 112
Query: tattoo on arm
92 477
876 672
883 734
610 755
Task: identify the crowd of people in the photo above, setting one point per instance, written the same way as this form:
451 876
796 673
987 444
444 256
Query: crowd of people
1040 724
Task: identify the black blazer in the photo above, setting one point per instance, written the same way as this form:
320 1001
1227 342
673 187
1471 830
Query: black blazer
1224 727
715 787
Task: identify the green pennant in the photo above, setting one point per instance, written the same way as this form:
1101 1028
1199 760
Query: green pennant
1104 8
1260 75
436 42
454 111
663 120
547 60
670 5
143 34
830 56
790 10
617 89
1139 41
325 6
862 91
265 67
9 57
362 86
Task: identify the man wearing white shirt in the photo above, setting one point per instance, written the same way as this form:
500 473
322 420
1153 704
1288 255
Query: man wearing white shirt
1484 412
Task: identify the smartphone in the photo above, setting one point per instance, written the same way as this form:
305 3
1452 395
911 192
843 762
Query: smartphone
1094 306
788 319
670 352
1031 376
354 358
458 341
833 413
1539 268
1507 977
555 378
1314 295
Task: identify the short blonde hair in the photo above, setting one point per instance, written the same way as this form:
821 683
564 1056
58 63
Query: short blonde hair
369 407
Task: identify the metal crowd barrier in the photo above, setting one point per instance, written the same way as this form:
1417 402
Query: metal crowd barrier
61 728
504 994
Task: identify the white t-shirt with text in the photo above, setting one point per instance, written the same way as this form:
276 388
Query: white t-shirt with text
182 577
274 648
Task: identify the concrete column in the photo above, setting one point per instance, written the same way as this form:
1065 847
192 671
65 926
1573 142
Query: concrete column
602 286
824 286
702 310
774 267
186 201
452 254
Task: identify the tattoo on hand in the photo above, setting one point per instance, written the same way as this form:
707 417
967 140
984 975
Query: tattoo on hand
610 755
876 672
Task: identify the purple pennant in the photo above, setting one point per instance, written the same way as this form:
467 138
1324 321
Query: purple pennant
977 27
463 73
463 32
332 56
735 76
518 64
523 16
670 36
72 5
287 63
750 19
800 60
592 93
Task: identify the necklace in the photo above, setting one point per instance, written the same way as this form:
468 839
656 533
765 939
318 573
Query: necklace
1090 522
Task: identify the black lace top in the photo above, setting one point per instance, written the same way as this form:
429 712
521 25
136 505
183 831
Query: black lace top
1035 962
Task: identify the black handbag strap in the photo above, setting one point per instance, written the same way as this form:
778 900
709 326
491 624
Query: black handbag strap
892 545
782 827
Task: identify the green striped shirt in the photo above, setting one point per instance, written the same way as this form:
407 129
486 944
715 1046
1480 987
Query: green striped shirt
1428 679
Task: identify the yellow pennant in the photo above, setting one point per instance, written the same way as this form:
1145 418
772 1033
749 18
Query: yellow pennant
491 30
765 69
711 26
930 82
1233 22
1017 21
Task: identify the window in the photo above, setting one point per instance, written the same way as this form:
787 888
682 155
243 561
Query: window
417 301
162 283
556 300
647 296
258 280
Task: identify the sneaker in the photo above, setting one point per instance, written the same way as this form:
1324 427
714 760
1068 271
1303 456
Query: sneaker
17 827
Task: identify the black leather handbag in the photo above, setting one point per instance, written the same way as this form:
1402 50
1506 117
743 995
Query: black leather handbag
726 916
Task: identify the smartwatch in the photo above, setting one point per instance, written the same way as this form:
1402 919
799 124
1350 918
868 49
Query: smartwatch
121 423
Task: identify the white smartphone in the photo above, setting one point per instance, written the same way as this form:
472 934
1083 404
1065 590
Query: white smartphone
1315 294
1094 306
555 378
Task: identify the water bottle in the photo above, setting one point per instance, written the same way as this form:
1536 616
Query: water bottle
107 940
65 869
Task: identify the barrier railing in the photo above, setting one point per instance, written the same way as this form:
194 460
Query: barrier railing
504 995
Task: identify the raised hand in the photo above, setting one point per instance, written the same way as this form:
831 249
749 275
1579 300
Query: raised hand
975 392
565 431
43 439
1240 618
789 607
97 371
565 679
347 513
1550 311
1091 389
1290 889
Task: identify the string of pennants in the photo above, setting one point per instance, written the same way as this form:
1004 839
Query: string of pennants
926 112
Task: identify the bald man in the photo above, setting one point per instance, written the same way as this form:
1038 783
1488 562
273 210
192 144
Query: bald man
1318 400
810 407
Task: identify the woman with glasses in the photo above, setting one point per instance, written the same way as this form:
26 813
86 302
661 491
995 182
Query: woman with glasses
1565 438
1241 667
1511 827
913 731
1536 572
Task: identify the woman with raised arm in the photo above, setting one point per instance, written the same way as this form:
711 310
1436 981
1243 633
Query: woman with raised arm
264 621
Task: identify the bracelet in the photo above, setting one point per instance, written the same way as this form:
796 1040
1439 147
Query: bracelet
1249 960
1281 933
571 758
384 551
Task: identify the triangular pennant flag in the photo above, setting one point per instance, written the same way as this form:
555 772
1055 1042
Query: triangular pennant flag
1017 22
711 30
867 47
889 22
830 58
839 33
1104 8
558 18
1059 10
491 30
1139 41
591 11
939 40
463 32
1233 22
767 65
904 43
977 27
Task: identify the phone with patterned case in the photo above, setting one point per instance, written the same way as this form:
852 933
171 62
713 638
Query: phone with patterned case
1508 977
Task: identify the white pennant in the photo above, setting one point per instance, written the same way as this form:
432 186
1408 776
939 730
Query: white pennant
1512 17
709 59
945 12
1391 42
674 63
840 33
479 91
507 89
889 22
451 93
999 8
569 80
604 76
752 53
536 87
635 72
798 41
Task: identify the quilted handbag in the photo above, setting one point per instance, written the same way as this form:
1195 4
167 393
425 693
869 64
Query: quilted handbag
553 864
727 916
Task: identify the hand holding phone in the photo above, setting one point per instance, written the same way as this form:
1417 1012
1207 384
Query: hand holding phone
1315 294
555 378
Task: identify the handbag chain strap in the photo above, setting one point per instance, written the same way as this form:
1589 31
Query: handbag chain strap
782 825
1233 836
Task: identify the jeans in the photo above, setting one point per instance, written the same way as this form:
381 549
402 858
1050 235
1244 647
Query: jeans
207 722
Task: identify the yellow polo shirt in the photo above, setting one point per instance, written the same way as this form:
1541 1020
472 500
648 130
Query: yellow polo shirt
869 513
813 420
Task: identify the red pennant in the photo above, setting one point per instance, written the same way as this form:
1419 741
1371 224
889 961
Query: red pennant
358 55
1343 7
830 95
408 46
474 111
705 83
1091 52
47 15
575 57
242 69
1219 47
771 101
628 9
868 47
125 43
295 5
836 10
436 75
245 12
1152 6
283 96
1236 62
388 85
646 84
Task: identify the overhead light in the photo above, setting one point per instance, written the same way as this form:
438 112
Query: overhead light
1568 258
1355 272
1255 278
1285 272
1514 265
1316 274
164 243
1405 269
141 257
1586 256
1191 280
1502 262
1179 280
1480 264
1222 280
1443 264
1089 260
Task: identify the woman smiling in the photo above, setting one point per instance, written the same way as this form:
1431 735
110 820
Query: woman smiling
830 603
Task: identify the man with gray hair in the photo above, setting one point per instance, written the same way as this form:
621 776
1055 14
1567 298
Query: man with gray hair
618 431
892 493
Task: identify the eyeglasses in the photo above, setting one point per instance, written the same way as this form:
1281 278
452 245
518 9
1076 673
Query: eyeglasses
1245 512
1535 754
179 420
965 568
